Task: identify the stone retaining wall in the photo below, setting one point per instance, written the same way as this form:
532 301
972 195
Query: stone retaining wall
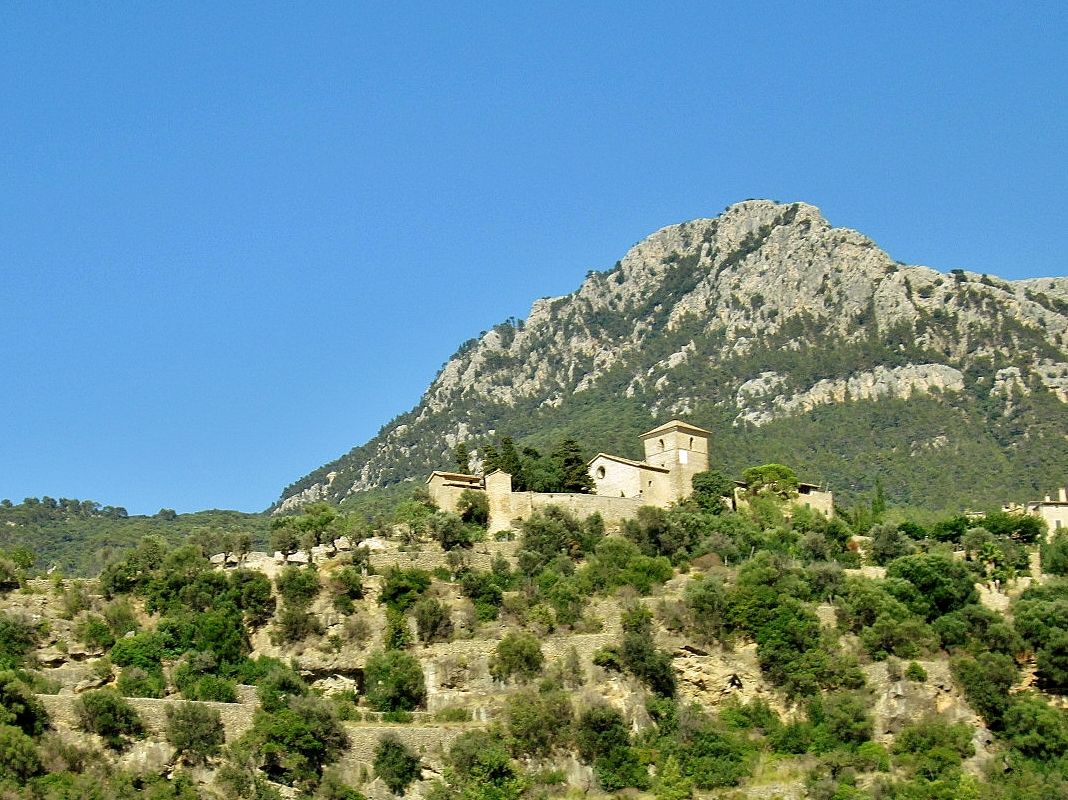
236 717
430 556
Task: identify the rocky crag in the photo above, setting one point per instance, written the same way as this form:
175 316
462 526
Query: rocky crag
791 340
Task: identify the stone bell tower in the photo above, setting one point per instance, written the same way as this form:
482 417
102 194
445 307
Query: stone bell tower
682 450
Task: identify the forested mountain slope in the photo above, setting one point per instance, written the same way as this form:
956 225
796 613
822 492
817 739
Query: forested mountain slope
791 340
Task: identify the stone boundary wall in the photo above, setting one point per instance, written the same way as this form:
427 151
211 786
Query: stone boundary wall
236 717
511 507
429 742
430 556
47 586
613 509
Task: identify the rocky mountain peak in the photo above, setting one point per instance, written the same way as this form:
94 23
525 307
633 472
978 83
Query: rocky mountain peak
763 313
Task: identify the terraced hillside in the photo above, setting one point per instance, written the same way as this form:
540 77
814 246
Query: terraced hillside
690 652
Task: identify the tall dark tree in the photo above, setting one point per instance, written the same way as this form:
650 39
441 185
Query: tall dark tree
511 463
462 458
574 474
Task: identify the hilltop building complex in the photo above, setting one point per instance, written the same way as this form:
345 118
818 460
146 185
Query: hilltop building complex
674 453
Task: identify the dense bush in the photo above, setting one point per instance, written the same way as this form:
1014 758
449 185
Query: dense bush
639 655
986 680
395 764
518 656
298 739
298 586
295 624
480 766
18 636
195 730
931 749
137 682
538 722
403 588
618 562
105 713
484 590
19 707
433 621
603 740
393 681
939 584
553 532
19 756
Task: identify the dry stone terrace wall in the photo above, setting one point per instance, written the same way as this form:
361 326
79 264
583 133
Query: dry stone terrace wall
429 742
236 717
430 556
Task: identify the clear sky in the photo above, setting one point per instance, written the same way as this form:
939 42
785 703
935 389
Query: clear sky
236 239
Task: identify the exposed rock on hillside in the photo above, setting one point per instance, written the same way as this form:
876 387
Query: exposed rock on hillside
755 318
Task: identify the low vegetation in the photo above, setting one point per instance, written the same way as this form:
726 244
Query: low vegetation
776 577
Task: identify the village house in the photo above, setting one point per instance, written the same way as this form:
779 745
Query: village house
1054 512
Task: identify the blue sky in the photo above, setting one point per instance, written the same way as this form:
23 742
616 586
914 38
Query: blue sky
238 238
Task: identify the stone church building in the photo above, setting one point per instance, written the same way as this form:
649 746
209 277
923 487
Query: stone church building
674 453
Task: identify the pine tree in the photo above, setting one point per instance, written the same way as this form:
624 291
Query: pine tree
574 473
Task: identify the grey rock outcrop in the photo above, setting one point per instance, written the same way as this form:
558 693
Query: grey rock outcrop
687 317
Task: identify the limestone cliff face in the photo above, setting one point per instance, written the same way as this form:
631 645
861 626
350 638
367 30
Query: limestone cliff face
763 313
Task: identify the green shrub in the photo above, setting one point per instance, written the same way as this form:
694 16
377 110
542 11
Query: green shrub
93 632
137 682
932 748
294 624
211 688
986 680
402 717
432 620
19 706
278 684
871 757
402 588
603 740
452 714
1036 729
393 681
845 718
481 767
914 672
639 655
395 764
18 636
942 584
347 585
473 507
120 616
253 590
518 656
538 723
145 650
485 592
298 586
298 739
105 713
19 757
1052 661
195 730
397 635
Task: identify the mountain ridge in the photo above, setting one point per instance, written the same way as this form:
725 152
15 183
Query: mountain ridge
755 318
